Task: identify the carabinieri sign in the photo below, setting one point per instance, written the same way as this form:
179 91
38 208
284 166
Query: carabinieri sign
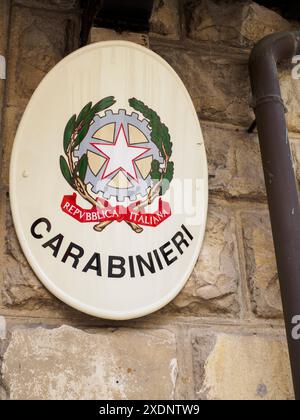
109 181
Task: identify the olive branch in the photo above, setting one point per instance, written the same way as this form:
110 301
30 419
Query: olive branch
161 177
74 171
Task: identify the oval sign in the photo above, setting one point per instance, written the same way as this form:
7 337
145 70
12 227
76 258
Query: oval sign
108 181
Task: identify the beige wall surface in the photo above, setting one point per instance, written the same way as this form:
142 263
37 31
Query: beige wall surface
223 336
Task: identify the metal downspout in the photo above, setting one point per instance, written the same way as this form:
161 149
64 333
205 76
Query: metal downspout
279 177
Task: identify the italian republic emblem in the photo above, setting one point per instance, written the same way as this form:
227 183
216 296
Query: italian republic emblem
119 163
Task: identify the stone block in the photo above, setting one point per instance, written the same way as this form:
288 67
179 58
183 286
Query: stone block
261 265
20 288
11 119
239 24
219 86
103 34
165 18
67 363
38 40
213 285
51 4
290 89
241 367
4 17
234 162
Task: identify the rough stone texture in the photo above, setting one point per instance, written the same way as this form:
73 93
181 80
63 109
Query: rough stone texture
11 118
295 148
19 287
50 4
219 86
103 34
232 23
4 15
3 337
291 95
2 90
220 89
261 265
241 367
212 287
67 363
70 363
165 20
38 40
230 174
2 328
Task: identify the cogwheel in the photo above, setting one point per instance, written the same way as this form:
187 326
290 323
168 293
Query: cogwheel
138 187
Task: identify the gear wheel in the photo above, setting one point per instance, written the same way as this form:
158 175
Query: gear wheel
140 186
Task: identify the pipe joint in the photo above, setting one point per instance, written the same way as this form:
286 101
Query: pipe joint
268 98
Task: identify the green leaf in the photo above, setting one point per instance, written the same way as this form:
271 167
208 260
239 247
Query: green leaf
160 133
155 171
169 171
83 113
66 171
166 141
103 104
82 167
161 138
99 106
70 127
82 133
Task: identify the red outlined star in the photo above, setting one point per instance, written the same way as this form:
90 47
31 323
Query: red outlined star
120 155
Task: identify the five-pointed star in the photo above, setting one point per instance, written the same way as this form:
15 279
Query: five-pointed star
120 155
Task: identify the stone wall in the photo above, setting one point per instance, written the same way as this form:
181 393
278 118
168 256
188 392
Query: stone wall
223 337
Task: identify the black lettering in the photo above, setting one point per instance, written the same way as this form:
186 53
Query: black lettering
187 232
160 266
36 223
116 264
69 253
54 246
178 242
167 253
148 264
90 264
131 267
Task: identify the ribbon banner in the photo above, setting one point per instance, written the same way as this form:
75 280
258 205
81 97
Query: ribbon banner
106 212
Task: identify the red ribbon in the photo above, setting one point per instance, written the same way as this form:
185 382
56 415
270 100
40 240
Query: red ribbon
106 212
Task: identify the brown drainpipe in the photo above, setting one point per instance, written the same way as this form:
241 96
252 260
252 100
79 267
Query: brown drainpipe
280 178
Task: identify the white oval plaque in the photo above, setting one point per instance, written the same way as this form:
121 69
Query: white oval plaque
108 181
